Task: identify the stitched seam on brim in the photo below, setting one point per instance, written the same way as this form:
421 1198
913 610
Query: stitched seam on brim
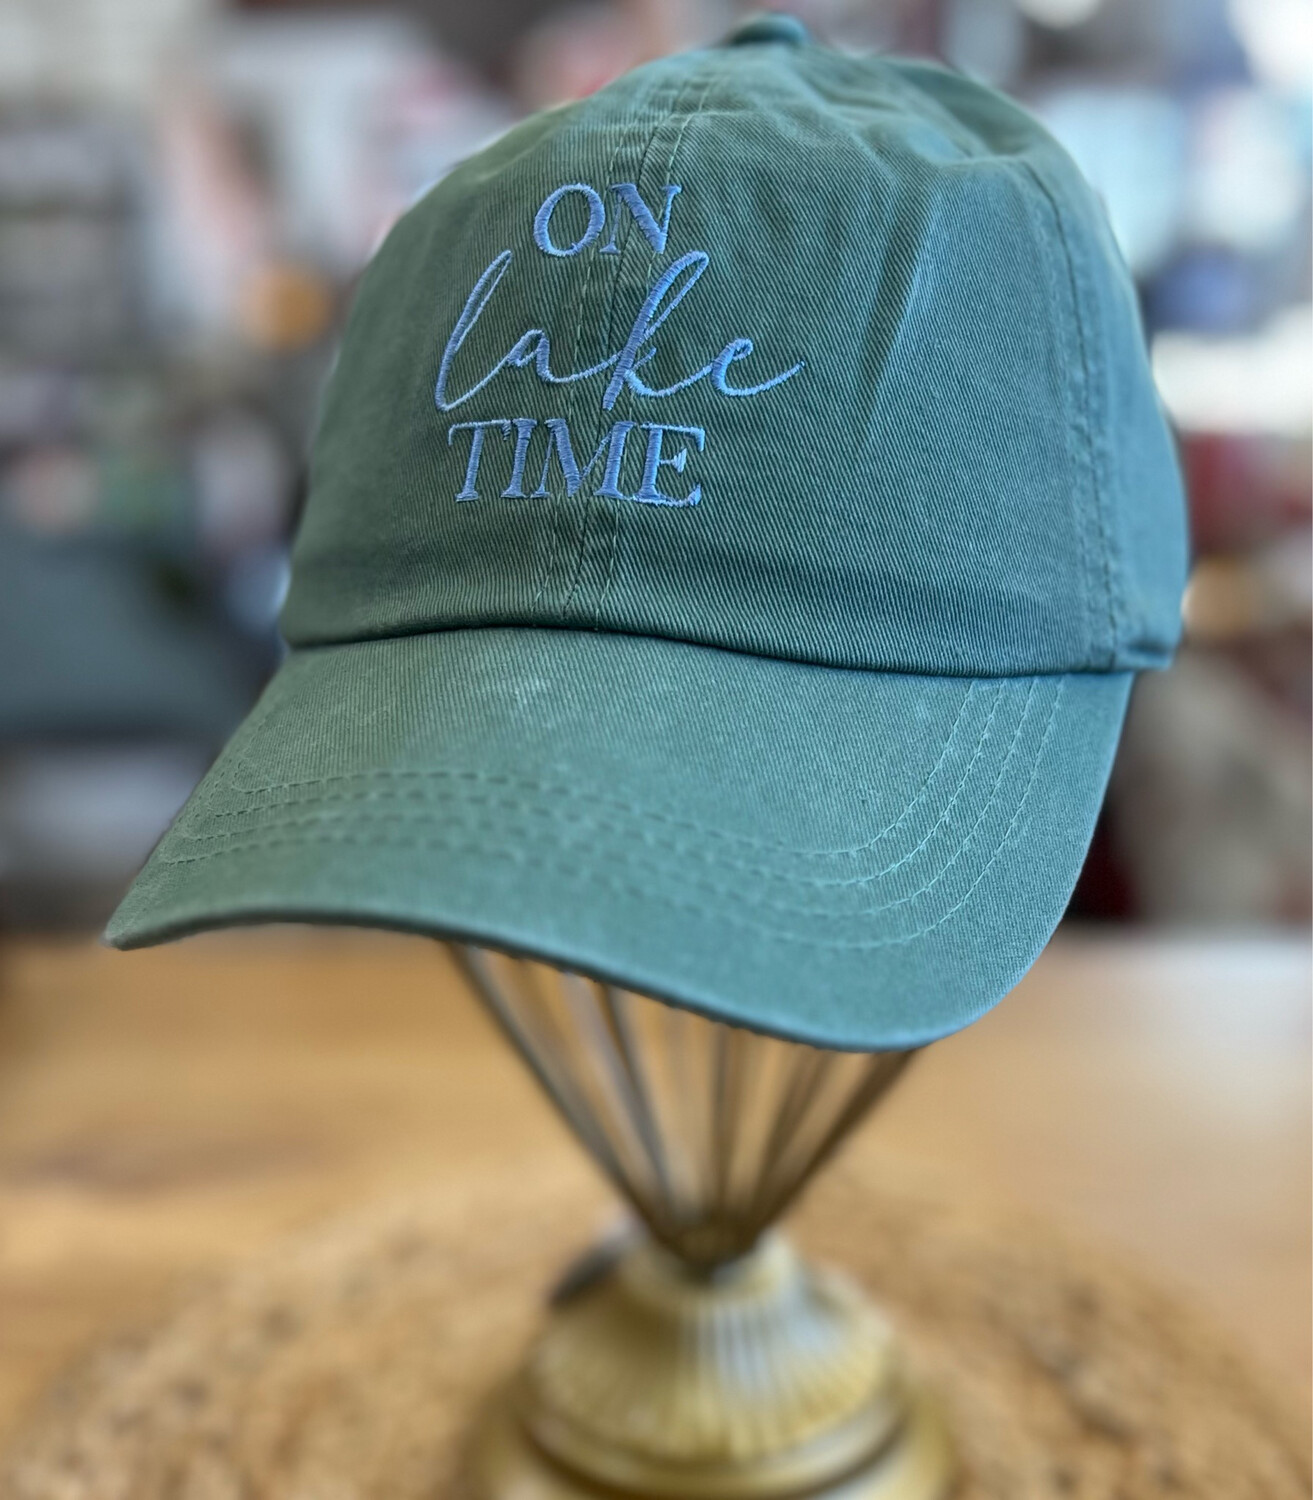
640 833
637 811
721 917
641 817
554 789
733 894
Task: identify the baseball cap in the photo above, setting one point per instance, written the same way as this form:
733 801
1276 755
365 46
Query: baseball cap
736 516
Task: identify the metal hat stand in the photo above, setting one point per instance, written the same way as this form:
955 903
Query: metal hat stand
700 1357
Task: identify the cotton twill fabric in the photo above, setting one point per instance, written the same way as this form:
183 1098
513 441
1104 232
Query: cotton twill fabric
744 836
970 474
717 738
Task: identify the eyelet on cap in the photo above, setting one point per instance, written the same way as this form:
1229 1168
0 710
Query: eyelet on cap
773 26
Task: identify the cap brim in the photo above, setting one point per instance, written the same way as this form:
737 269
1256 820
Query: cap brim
852 859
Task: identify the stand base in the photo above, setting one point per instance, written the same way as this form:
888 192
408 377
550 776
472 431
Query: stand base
763 1379
916 1463
346 1363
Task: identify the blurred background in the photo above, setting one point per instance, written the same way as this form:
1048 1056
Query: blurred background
188 192
189 189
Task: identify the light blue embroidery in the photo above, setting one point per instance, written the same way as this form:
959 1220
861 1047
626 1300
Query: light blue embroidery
534 347
649 320
740 349
543 218
648 492
610 454
533 350
523 432
476 431
737 349
613 444
655 233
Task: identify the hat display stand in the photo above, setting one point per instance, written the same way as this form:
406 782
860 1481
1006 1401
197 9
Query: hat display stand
699 1356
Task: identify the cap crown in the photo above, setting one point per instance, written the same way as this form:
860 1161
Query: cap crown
766 348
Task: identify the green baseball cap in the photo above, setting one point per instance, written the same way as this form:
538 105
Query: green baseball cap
737 514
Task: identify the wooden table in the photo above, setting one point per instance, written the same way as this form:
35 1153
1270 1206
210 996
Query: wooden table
164 1113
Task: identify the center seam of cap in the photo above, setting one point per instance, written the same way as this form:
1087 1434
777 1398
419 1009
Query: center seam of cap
571 578
713 72
633 130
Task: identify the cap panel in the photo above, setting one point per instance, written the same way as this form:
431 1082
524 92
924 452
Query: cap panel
768 349
854 514
384 547
1137 497
1142 500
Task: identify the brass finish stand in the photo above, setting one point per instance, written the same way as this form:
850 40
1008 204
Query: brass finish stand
762 1378
350 1362
706 1361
